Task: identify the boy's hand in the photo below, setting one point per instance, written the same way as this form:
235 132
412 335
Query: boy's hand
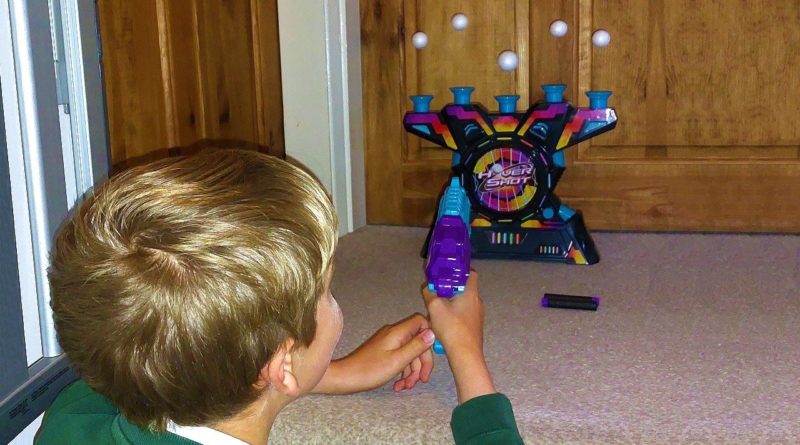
401 347
458 323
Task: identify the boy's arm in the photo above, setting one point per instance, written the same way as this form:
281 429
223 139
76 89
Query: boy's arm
485 420
393 348
333 381
483 417
459 324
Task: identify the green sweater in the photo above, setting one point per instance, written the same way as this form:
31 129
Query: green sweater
79 415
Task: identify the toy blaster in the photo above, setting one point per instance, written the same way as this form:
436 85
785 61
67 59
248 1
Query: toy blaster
449 249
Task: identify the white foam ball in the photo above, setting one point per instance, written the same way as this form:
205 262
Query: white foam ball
559 28
459 21
601 38
508 60
419 40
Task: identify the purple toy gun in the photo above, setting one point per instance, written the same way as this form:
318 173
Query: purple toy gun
449 250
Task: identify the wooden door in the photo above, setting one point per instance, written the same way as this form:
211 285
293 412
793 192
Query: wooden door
705 93
182 71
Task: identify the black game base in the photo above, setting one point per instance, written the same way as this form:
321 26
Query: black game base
567 242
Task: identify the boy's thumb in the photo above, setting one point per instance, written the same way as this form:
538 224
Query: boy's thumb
419 344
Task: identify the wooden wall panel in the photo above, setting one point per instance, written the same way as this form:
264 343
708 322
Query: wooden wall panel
226 64
137 116
383 36
182 71
476 53
267 56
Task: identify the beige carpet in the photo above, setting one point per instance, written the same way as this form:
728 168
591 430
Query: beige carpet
697 341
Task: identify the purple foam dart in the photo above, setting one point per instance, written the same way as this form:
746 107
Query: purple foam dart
449 256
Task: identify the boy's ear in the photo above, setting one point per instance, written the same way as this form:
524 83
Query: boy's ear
278 372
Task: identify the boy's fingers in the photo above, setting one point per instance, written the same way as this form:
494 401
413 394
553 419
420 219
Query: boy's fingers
412 325
412 379
414 348
472 281
472 284
427 295
426 359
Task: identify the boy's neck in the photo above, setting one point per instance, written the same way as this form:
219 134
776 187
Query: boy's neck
254 423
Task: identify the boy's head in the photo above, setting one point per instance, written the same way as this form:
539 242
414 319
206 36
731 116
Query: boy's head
176 282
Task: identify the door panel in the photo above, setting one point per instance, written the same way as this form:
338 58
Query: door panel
705 92
700 144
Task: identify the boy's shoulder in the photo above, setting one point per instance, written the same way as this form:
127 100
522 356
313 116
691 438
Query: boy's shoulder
80 415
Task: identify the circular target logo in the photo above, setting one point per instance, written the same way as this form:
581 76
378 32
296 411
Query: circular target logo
504 179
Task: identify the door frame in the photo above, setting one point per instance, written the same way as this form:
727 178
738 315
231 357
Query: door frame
322 107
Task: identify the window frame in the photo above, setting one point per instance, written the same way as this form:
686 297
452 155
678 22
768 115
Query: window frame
54 135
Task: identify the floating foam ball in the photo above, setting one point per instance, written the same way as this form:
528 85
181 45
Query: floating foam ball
559 28
508 60
459 21
419 40
601 38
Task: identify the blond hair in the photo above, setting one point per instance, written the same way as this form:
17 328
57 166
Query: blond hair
175 282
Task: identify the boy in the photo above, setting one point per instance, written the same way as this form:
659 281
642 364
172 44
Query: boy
193 298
